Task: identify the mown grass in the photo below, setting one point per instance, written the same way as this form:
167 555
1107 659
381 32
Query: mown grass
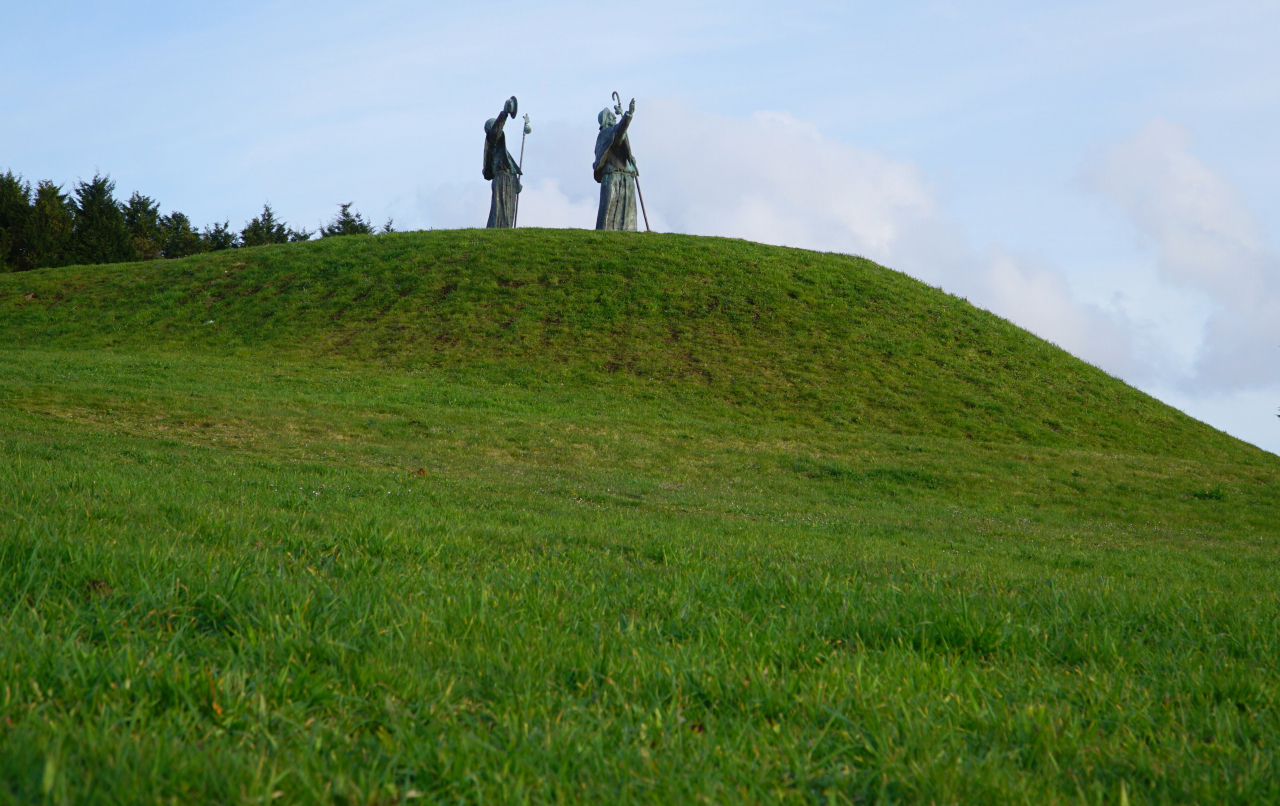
629 547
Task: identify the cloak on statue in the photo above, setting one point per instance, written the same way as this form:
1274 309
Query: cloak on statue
615 170
501 169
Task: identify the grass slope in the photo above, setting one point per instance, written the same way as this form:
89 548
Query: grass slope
784 329
536 516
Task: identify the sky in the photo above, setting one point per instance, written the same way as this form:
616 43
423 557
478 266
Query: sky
1103 174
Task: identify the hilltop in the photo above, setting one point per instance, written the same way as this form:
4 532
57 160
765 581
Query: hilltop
561 516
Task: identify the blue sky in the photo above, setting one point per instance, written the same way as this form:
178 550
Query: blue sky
1104 174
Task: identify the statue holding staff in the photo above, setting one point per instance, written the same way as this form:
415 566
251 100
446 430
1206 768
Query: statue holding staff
501 169
615 170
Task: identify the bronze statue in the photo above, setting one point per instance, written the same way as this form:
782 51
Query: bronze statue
615 170
501 168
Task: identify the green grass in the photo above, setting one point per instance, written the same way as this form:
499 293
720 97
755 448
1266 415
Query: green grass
542 516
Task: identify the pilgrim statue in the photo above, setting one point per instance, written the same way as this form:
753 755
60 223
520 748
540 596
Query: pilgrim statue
615 170
501 168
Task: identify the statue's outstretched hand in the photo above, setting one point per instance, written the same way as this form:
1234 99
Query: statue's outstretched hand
511 106
632 109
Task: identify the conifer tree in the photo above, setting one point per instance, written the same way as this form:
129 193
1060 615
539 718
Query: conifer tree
219 237
267 229
49 227
178 237
264 229
142 218
99 234
346 223
15 209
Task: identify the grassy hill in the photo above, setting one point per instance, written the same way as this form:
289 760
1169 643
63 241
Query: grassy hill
551 515
824 335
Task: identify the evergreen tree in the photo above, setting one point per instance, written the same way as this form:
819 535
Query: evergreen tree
50 226
99 234
388 227
219 237
346 223
142 217
178 238
266 229
15 209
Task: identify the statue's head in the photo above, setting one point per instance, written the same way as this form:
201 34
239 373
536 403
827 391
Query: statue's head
489 124
606 118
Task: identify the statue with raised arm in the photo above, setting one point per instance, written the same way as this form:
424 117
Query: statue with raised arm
501 169
615 170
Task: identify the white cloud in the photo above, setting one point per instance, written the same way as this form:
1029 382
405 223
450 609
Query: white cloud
1206 239
775 179
455 205
1036 296
544 204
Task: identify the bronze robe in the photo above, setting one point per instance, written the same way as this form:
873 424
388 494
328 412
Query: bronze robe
503 171
615 170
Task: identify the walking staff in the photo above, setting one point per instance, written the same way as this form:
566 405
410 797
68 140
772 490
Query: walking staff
527 130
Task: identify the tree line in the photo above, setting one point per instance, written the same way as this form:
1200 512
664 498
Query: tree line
43 226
